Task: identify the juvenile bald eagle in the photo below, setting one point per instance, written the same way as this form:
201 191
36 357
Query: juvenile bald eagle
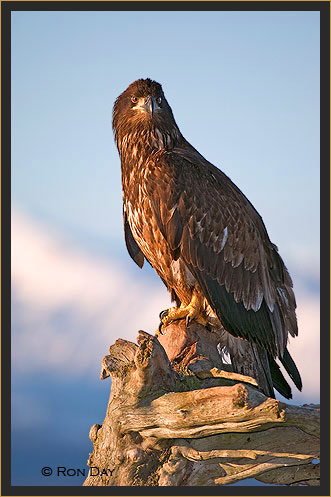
203 238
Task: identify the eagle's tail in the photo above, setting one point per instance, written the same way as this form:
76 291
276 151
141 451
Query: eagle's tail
291 369
278 380
252 360
280 384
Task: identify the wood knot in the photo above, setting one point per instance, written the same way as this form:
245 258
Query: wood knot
135 454
240 396
132 437
93 435
144 353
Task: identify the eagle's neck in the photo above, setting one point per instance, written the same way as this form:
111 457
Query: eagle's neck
139 145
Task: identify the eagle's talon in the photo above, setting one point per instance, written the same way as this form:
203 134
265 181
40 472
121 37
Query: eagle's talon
188 320
163 314
159 330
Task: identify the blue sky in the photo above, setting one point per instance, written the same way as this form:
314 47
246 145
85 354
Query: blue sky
244 89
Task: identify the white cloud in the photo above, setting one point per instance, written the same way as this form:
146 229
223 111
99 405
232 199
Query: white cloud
69 306
305 349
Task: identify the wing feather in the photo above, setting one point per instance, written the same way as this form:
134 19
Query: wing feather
224 243
131 243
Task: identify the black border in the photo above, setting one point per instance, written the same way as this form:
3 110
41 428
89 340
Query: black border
311 5
6 8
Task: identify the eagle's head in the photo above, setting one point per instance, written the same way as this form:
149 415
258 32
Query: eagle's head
142 115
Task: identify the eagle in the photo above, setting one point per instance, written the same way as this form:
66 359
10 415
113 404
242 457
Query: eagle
204 239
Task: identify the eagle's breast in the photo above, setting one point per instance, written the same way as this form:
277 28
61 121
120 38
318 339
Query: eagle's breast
149 238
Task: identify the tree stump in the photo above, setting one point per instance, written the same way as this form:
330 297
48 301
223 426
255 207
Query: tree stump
178 416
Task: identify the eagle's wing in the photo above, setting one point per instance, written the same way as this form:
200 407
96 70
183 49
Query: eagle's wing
208 222
131 243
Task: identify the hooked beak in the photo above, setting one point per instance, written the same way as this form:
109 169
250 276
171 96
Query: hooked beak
147 104
150 104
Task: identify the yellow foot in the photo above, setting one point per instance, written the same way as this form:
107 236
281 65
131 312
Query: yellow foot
189 312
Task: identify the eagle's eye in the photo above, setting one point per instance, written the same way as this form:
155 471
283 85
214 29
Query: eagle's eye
159 100
134 100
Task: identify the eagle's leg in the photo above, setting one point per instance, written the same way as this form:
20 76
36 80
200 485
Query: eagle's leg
194 310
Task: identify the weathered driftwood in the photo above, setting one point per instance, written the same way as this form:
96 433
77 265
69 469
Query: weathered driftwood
179 418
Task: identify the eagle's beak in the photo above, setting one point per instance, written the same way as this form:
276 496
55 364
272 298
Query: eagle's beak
150 104
147 104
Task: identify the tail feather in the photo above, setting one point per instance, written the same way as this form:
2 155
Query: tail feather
250 359
291 369
278 380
